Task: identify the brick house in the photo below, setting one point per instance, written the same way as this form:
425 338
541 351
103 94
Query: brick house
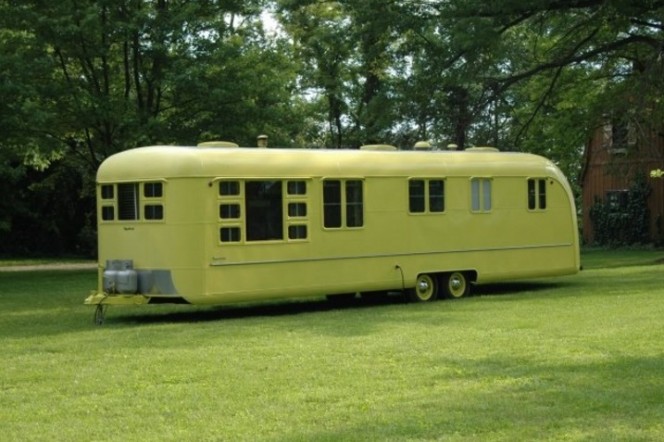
613 157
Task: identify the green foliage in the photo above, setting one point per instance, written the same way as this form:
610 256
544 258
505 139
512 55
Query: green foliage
156 72
10 177
48 212
524 76
347 50
620 226
538 360
80 81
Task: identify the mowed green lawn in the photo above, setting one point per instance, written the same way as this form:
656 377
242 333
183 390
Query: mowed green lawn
573 358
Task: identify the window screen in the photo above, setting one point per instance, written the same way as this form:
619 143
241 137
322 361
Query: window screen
128 204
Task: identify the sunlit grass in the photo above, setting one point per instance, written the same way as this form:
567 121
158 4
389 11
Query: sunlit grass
574 358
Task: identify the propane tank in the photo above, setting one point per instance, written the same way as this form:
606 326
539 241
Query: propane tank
120 277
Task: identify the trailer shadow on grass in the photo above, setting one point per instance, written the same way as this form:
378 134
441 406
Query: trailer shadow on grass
307 306
246 311
516 288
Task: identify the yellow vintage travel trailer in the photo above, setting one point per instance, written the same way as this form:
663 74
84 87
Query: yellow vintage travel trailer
219 225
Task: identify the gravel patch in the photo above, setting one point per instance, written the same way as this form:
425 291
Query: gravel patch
54 266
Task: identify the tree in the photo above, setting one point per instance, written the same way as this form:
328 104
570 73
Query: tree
347 50
321 31
523 75
83 80
504 49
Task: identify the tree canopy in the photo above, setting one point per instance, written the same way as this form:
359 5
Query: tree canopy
81 80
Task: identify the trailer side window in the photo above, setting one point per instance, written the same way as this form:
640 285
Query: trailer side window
354 204
152 190
229 188
107 194
416 196
296 207
537 194
297 187
297 210
230 211
153 210
297 231
436 195
264 210
343 203
229 234
131 201
332 203
128 204
480 191
108 213
426 196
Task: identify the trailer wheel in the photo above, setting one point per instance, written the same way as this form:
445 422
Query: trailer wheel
455 285
426 289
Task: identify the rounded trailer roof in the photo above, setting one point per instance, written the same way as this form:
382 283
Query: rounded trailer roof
153 162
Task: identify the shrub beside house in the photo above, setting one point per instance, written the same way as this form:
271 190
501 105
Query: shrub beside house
623 203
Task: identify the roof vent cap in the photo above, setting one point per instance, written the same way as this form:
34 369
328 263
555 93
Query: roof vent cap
422 145
377 147
482 149
218 144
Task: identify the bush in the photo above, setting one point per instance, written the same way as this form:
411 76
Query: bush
626 225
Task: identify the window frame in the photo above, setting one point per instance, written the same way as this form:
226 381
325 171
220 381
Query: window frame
229 192
350 213
427 198
617 200
263 205
296 197
537 194
146 205
293 210
152 202
481 191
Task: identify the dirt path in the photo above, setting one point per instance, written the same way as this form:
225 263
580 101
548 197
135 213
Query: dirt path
54 266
